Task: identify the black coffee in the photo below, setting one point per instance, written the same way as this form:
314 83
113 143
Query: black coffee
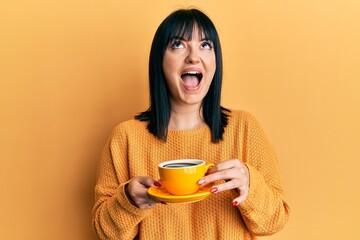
180 165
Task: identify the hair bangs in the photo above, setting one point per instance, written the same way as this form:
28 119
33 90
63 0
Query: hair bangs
184 23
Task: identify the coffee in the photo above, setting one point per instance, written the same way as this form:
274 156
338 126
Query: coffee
179 165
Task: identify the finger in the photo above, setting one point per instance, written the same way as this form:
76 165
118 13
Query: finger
148 182
233 184
221 175
147 201
244 193
231 163
240 199
151 202
146 205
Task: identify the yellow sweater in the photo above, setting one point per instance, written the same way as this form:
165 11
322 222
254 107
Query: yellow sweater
132 151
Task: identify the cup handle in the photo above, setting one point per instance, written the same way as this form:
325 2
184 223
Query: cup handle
209 165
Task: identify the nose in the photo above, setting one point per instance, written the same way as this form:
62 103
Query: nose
193 56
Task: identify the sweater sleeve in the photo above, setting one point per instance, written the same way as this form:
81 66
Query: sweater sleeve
114 217
264 211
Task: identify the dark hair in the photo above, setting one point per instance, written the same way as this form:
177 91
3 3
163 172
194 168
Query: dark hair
181 24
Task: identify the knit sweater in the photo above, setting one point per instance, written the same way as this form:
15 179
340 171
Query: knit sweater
132 151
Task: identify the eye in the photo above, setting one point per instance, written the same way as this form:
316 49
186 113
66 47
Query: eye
175 44
207 45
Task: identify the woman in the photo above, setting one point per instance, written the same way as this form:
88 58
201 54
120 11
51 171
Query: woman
185 120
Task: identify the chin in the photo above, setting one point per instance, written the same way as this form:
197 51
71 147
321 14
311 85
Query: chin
192 101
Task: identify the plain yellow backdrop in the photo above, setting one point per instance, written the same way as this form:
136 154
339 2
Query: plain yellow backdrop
72 70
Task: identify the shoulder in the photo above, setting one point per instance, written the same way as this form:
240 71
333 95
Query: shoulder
131 123
241 116
246 122
243 121
130 127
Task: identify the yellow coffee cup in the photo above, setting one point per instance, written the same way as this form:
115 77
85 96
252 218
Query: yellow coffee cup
180 176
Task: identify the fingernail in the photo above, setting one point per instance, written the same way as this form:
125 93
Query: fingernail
235 203
162 202
201 181
214 190
156 184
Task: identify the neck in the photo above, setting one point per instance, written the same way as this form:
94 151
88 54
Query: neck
186 118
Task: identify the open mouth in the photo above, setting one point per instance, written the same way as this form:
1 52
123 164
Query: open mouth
191 79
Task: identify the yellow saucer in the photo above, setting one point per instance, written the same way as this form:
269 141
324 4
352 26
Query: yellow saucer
163 195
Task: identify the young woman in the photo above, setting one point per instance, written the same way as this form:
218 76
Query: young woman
185 120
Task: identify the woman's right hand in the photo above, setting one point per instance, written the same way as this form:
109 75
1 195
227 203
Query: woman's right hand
136 190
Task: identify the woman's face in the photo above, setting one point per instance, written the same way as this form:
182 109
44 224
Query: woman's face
189 67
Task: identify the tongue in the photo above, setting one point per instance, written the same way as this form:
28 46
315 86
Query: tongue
190 81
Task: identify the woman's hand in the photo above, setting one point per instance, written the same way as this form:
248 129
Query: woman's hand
136 190
236 175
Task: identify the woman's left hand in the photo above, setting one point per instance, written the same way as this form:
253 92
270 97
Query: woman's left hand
236 175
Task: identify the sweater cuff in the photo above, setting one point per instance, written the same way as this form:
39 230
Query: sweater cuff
256 179
127 204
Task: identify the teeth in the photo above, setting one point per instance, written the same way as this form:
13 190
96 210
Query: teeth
193 72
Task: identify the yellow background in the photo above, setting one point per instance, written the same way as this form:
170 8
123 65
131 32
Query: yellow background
71 70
